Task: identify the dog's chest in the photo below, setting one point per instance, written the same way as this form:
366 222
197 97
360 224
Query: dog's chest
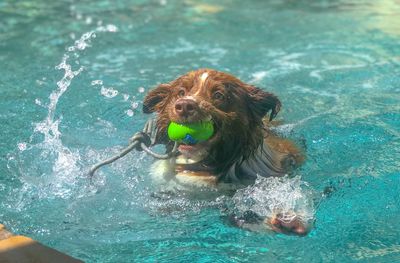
172 174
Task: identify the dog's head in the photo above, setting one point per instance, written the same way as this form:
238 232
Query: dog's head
236 109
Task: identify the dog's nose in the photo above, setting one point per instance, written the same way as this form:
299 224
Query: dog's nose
185 107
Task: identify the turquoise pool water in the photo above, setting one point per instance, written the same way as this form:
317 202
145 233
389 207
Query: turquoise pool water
74 73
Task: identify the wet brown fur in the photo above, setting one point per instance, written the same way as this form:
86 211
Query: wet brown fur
238 118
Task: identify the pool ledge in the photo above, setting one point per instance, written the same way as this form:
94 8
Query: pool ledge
25 250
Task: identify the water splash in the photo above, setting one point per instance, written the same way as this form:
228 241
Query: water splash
69 74
270 196
180 204
46 167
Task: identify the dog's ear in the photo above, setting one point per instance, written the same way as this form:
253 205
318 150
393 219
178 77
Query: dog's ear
261 102
155 100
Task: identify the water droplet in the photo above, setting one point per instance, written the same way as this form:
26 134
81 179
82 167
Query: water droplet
96 82
22 146
108 92
129 112
126 97
88 20
111 28
135 104
39 82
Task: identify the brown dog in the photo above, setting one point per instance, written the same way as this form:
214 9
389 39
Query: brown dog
242 146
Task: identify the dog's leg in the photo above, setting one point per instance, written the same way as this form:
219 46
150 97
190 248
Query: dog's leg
288 223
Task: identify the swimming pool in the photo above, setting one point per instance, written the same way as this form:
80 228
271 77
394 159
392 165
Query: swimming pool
74 73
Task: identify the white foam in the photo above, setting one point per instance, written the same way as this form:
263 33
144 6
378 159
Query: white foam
269 196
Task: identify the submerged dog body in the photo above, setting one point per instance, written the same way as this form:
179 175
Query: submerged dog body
242 146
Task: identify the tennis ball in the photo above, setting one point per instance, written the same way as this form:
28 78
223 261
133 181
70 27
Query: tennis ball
190 132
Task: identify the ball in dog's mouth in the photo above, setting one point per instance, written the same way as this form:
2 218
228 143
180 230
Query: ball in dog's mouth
191 133
193 138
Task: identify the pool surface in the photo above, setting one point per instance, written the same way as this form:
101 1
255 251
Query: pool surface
73 75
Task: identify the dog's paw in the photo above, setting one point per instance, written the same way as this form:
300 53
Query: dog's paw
289 224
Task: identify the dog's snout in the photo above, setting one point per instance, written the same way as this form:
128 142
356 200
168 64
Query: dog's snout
185 107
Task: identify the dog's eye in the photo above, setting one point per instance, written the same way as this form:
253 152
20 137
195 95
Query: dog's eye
218 95
181 93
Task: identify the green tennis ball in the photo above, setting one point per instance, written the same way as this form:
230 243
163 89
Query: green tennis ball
191 132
